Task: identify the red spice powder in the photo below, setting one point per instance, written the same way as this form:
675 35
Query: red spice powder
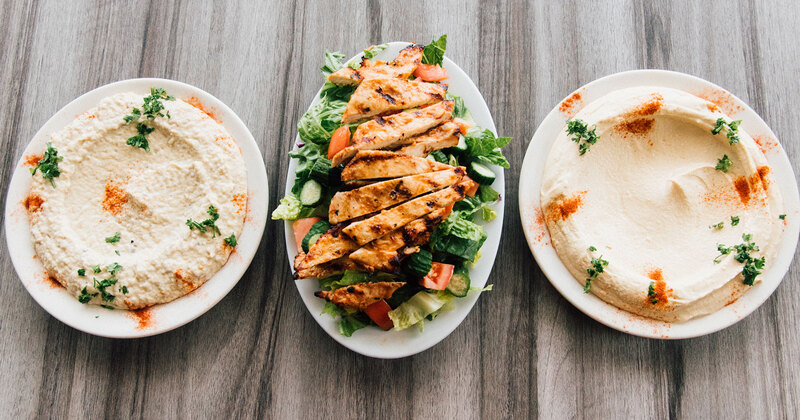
538 229
185 279
572 104
722 99
195 102
33 203
662 294
743 188
566 207
114 197
637 126
52 281
240 201
763 173
766 143
650 106
32 160
712 107
143 317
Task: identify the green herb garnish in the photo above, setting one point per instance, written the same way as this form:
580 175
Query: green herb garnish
152 108
109 307
598 266
782 216
651 293
592 248
124 290
206 224
723 164
717 226
433 53
95 268
732 129
113 239
230 240
101 287
81 272
85 296
48 164
140 140
752 266
734 220
581 135
113 269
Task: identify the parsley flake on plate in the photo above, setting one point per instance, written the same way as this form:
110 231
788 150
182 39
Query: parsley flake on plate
723 164
731 129
230 240
585 138
113 239
598 267
207 224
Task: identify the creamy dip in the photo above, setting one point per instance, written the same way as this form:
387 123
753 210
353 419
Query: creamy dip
107 186
648 198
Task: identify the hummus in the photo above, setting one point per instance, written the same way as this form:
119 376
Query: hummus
647 198
107 187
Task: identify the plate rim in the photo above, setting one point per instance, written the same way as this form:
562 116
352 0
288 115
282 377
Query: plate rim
257 193
604 312
464 308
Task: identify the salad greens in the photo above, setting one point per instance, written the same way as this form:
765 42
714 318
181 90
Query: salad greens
455 242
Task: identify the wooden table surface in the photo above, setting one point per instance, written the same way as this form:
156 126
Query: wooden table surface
523 350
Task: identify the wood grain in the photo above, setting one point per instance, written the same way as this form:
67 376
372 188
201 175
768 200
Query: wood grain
523 351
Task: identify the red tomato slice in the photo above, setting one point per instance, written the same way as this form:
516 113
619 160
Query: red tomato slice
339 140
439 276
449 210
430 72
379 313
301 228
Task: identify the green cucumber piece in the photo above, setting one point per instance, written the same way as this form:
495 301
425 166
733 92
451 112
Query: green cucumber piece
419 265
461 148
459 283
311 193
317 229
321 170
481 173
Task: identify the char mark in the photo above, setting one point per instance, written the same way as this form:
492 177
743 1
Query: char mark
386 96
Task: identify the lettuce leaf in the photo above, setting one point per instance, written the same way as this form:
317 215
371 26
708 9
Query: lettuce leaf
414 310
318 123
374 50
348 323
347 279
484 146
458 236
289 209
433 53
333 62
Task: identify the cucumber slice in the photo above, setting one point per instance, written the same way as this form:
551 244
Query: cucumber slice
459 283
480 173
314 233
321 170
418 265
461 148
311 193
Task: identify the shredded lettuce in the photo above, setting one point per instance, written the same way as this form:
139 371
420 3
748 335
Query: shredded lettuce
289 209
481 289
414 310
433 53
347 279
333 62
318 124
374 50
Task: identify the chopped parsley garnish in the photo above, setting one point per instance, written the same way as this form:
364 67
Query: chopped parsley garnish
752 266
598 266
101 287
116 251
374 50
230 240
124 290
592 248
113 269
48 164
651 293
81 272
732 129
113 239
433 53
109 307
85 296
734 220
723 164
152 108
717 226
95 268
782 217
206 224
581 134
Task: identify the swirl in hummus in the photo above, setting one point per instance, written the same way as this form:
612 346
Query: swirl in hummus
648 198
112 227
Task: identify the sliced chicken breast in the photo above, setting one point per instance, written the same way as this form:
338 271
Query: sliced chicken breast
395 130
401 67
441 137
346 205
379 96
385 164
360 295
330 246
330 268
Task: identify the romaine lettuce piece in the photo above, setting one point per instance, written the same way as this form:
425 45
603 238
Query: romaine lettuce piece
414 310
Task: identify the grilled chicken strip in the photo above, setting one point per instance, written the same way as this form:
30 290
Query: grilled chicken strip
441 137
383 254
379 96
403 65
346 205
367 230
373 164
395 130
330 246
361 295
330 268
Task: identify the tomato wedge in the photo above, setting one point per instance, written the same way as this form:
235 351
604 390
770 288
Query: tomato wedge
439 276
430 72
301 228
473 189
379 313
339 140
449 210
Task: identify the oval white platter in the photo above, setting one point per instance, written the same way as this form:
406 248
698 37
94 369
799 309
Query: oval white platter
538 239
391 344
159 318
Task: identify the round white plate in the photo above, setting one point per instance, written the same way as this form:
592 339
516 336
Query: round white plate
372 341
160 318
539 240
